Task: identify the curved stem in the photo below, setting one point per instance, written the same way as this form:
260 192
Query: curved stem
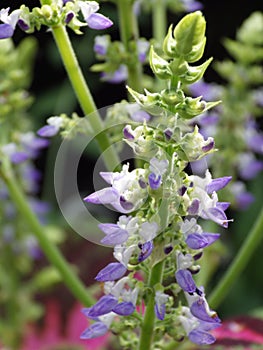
149 317
239 263
129 32
83 94
52 253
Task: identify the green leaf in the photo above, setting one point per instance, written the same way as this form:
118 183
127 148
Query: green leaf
159 66
195 73
190 38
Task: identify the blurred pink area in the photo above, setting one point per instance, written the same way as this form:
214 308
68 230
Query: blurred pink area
56 332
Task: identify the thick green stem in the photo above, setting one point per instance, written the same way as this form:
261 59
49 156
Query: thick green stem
129 33
239 263
149 317
159 21
83 94
52 253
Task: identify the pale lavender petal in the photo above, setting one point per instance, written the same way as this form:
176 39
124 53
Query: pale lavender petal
124 309
19 157
146 250
154 181
200 337
140 116
198 309
103 306
126 205
211 237
223 205
196 241
6 31
217 216
111 272
217 184
104 196
48 131
98 21
114 234
185 280
94 331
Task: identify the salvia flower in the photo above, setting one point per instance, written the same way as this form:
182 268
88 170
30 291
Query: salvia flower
94 20
8 26
160 301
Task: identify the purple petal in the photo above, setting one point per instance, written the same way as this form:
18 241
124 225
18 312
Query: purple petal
201 338
94 331
23 24
140 116
6 31
194 207
217 184
154 181
69 16
127 134
222 205
244 200
146 250
19 157
125 204
251 169
217 216
104 196
114 234
111 272
124 309
185 280
98 21
48 131
209 146
103 306
199 310
199 241
160 311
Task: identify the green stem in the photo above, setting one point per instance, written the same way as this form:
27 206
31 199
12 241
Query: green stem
159 21
149 317
83 94
129 33
239 263
52 253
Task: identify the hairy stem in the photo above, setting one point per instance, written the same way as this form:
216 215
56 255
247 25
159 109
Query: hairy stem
239 263
51 251
129 33
149 317
83 94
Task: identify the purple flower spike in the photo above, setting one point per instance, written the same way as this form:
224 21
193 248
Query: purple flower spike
98 21
114 234
217 184
103 306
154 181
111 272
200 310
201 338
146 250
199 241
185 280
124 309
6 31
94 331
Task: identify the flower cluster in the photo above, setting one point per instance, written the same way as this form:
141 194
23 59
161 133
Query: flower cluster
233 125
158 232
73 13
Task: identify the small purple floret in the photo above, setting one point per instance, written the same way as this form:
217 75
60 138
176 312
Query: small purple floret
198 309
154 181
217 184
185 280
146 250
111 272
124 309
48 131
98 21
201 337
94 331
6 31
